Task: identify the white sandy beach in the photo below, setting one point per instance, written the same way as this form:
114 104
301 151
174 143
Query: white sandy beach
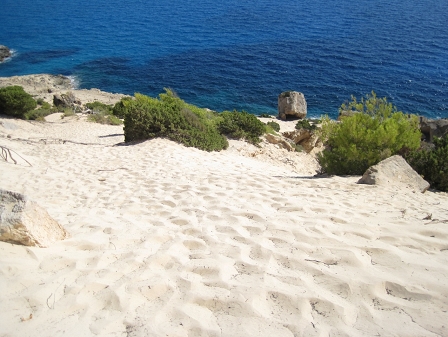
173 241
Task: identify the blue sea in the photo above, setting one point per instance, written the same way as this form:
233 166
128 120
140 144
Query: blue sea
239 54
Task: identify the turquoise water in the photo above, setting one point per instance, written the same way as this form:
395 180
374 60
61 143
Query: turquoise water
239 54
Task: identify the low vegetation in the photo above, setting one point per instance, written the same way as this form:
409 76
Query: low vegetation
170 117
104 118
119 108
274 126
67 112
38 114
241 125
432 163
102 113
14 101
265 115
98 107
305 124
374 130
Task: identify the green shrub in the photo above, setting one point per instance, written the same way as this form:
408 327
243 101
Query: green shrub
37 114
14 101
432 164
298 147
305 124
45 105
272 125
264 115
119 108
104 118
241 125
68 112
374 132
170 117
371 105
269 128
208 116
102 114
98 107
40 101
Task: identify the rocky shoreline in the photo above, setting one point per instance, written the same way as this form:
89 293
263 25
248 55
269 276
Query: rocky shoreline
46 86
5 52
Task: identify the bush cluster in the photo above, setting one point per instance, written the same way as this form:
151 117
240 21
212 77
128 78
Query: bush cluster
170 117
273 125
119 108
375 131
98 107
14 101
102 114
104 118
241 125
432 163
265 115
37 114
305 124
44 109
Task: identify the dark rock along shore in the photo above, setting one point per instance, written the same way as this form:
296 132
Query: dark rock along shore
5 52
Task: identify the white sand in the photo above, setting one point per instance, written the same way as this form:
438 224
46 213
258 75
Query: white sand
173 241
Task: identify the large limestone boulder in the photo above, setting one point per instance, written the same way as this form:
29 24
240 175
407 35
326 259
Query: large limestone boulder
24 222
396 172
291 104
4 53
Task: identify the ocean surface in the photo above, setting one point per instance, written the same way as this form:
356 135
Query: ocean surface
239 54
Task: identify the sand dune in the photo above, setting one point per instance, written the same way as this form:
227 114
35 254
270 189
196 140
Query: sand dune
172 241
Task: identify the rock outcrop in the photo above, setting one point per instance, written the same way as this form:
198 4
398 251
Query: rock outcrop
307 139
291 104
24 222
4 53
310 143
280 142
396 172
67 100
431 128
297 136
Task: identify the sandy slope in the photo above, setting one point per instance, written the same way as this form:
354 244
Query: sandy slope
172 241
